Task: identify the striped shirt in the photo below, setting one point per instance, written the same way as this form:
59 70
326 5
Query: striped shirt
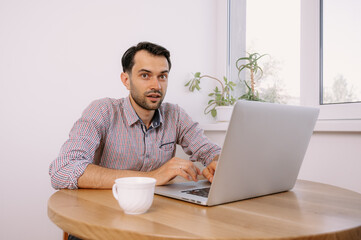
110 134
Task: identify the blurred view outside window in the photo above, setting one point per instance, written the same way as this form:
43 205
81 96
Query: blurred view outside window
341 78
273 28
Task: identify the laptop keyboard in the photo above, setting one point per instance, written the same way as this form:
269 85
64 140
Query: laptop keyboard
202 192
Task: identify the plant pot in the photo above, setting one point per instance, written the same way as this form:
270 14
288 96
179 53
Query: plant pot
224 113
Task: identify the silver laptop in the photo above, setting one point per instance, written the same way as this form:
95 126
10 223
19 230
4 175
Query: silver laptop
262 154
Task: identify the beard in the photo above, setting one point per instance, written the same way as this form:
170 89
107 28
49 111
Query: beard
141 99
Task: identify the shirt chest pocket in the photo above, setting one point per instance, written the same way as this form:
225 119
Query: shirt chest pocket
167 146
165 152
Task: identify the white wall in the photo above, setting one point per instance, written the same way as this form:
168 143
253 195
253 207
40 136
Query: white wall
56 57
334 158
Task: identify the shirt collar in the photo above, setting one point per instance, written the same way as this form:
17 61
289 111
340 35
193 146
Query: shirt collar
132 117
130 114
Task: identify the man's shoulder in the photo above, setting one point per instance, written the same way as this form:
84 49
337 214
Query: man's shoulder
108 102
173 112
169 108
105 107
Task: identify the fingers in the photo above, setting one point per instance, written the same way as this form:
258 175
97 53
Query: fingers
199 171
208 172
188 170
183 174
176 167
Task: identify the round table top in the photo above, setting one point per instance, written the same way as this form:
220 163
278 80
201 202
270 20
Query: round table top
309 211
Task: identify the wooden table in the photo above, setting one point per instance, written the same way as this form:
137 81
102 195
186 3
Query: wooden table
309 211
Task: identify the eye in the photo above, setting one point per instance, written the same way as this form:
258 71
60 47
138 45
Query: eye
163 77
144 75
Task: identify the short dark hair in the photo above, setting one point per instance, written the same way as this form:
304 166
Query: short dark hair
154 49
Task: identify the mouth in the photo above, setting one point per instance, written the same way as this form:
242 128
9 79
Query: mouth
154 97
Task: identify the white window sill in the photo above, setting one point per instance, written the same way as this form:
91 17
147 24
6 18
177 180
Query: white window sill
321 126
221 126
353 125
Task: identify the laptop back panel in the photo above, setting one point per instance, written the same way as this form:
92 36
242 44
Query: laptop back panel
263 150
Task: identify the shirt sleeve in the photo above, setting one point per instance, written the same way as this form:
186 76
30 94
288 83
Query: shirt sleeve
193 141
78 151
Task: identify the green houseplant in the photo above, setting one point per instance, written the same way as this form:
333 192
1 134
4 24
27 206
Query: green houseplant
223 96
219 97
250 63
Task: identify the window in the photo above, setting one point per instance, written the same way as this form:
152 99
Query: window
251 18
271 28
333 117
341 51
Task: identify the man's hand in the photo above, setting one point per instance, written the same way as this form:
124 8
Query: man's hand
176 167
208 172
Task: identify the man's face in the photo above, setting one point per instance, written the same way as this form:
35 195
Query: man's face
149 80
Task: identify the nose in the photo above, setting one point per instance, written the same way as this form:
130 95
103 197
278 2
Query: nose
155 84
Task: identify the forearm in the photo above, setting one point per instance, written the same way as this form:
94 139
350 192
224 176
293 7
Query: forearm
194 142
99 177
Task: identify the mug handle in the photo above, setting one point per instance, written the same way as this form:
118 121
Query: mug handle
114 190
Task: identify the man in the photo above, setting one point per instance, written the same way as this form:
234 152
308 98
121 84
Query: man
134 136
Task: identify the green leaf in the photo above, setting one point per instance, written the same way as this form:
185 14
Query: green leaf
197 74
260 56
214 112
249 88
242 58
244 96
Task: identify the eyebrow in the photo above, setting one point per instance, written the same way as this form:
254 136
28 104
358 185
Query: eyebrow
145 70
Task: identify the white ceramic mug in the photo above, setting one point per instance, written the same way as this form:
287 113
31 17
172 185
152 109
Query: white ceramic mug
134 194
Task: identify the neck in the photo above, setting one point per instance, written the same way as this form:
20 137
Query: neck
145 115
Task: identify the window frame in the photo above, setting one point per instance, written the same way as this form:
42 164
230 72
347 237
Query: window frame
236 35
333 117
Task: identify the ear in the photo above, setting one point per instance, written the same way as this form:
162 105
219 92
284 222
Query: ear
125 79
